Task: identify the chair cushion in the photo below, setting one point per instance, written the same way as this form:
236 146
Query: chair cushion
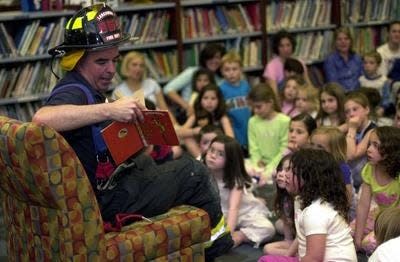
175 233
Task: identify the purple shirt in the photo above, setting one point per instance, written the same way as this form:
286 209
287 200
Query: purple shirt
344 72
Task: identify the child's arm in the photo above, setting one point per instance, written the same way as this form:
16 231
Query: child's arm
292 250
354 150
183 80
287 231
235 197
227 126
362 213
186 129
274 85
315 248
349 190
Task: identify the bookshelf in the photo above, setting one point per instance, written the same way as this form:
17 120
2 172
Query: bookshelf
173 32
368 21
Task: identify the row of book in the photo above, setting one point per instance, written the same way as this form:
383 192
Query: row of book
148 26
161 64
36 78
368 38
357 11
205 22
23 111
297 14
248 49
313 46
41 5
33 39
26 80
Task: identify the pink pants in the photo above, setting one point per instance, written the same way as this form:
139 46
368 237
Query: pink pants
273 258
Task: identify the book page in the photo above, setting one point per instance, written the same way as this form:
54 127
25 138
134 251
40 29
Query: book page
157 128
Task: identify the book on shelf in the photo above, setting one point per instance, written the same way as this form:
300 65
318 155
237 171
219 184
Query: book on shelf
356 11
151 68
29 37
37 38
125 139
43 46
297 14
7 40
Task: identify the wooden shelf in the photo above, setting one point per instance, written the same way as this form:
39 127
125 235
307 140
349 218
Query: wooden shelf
303 29
24 99
144 7
369 23
19 15
221 37
186 3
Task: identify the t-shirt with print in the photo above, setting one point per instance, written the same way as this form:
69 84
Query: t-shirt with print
384 195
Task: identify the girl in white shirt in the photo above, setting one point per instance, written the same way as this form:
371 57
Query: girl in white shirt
320 209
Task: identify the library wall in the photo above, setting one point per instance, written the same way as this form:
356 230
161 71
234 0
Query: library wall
171 34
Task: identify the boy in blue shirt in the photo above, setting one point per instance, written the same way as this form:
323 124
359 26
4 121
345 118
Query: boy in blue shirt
235 91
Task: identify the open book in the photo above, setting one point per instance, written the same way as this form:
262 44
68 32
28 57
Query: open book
125 139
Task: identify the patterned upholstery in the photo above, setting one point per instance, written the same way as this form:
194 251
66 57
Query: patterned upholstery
51 212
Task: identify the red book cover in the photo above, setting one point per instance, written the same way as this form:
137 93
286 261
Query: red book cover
254 13
125 139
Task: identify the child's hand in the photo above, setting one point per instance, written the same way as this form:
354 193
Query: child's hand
293 146
196 130
354 122
261 164
357 244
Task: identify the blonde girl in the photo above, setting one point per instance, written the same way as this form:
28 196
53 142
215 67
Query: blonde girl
333 141
331 109
359 125
387 233
307 100
247 216
380 183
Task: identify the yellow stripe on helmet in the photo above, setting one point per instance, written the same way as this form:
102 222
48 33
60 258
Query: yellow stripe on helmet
78 21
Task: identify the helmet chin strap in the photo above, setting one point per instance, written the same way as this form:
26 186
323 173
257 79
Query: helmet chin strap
52 69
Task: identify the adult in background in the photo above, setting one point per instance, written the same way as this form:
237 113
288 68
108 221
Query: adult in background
133 70
390 51
343 65
90 53
179 89
283 46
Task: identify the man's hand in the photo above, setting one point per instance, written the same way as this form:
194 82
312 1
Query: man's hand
126 109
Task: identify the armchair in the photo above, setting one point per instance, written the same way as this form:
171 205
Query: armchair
51 213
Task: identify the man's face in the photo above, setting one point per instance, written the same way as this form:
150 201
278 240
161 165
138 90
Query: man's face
98 67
